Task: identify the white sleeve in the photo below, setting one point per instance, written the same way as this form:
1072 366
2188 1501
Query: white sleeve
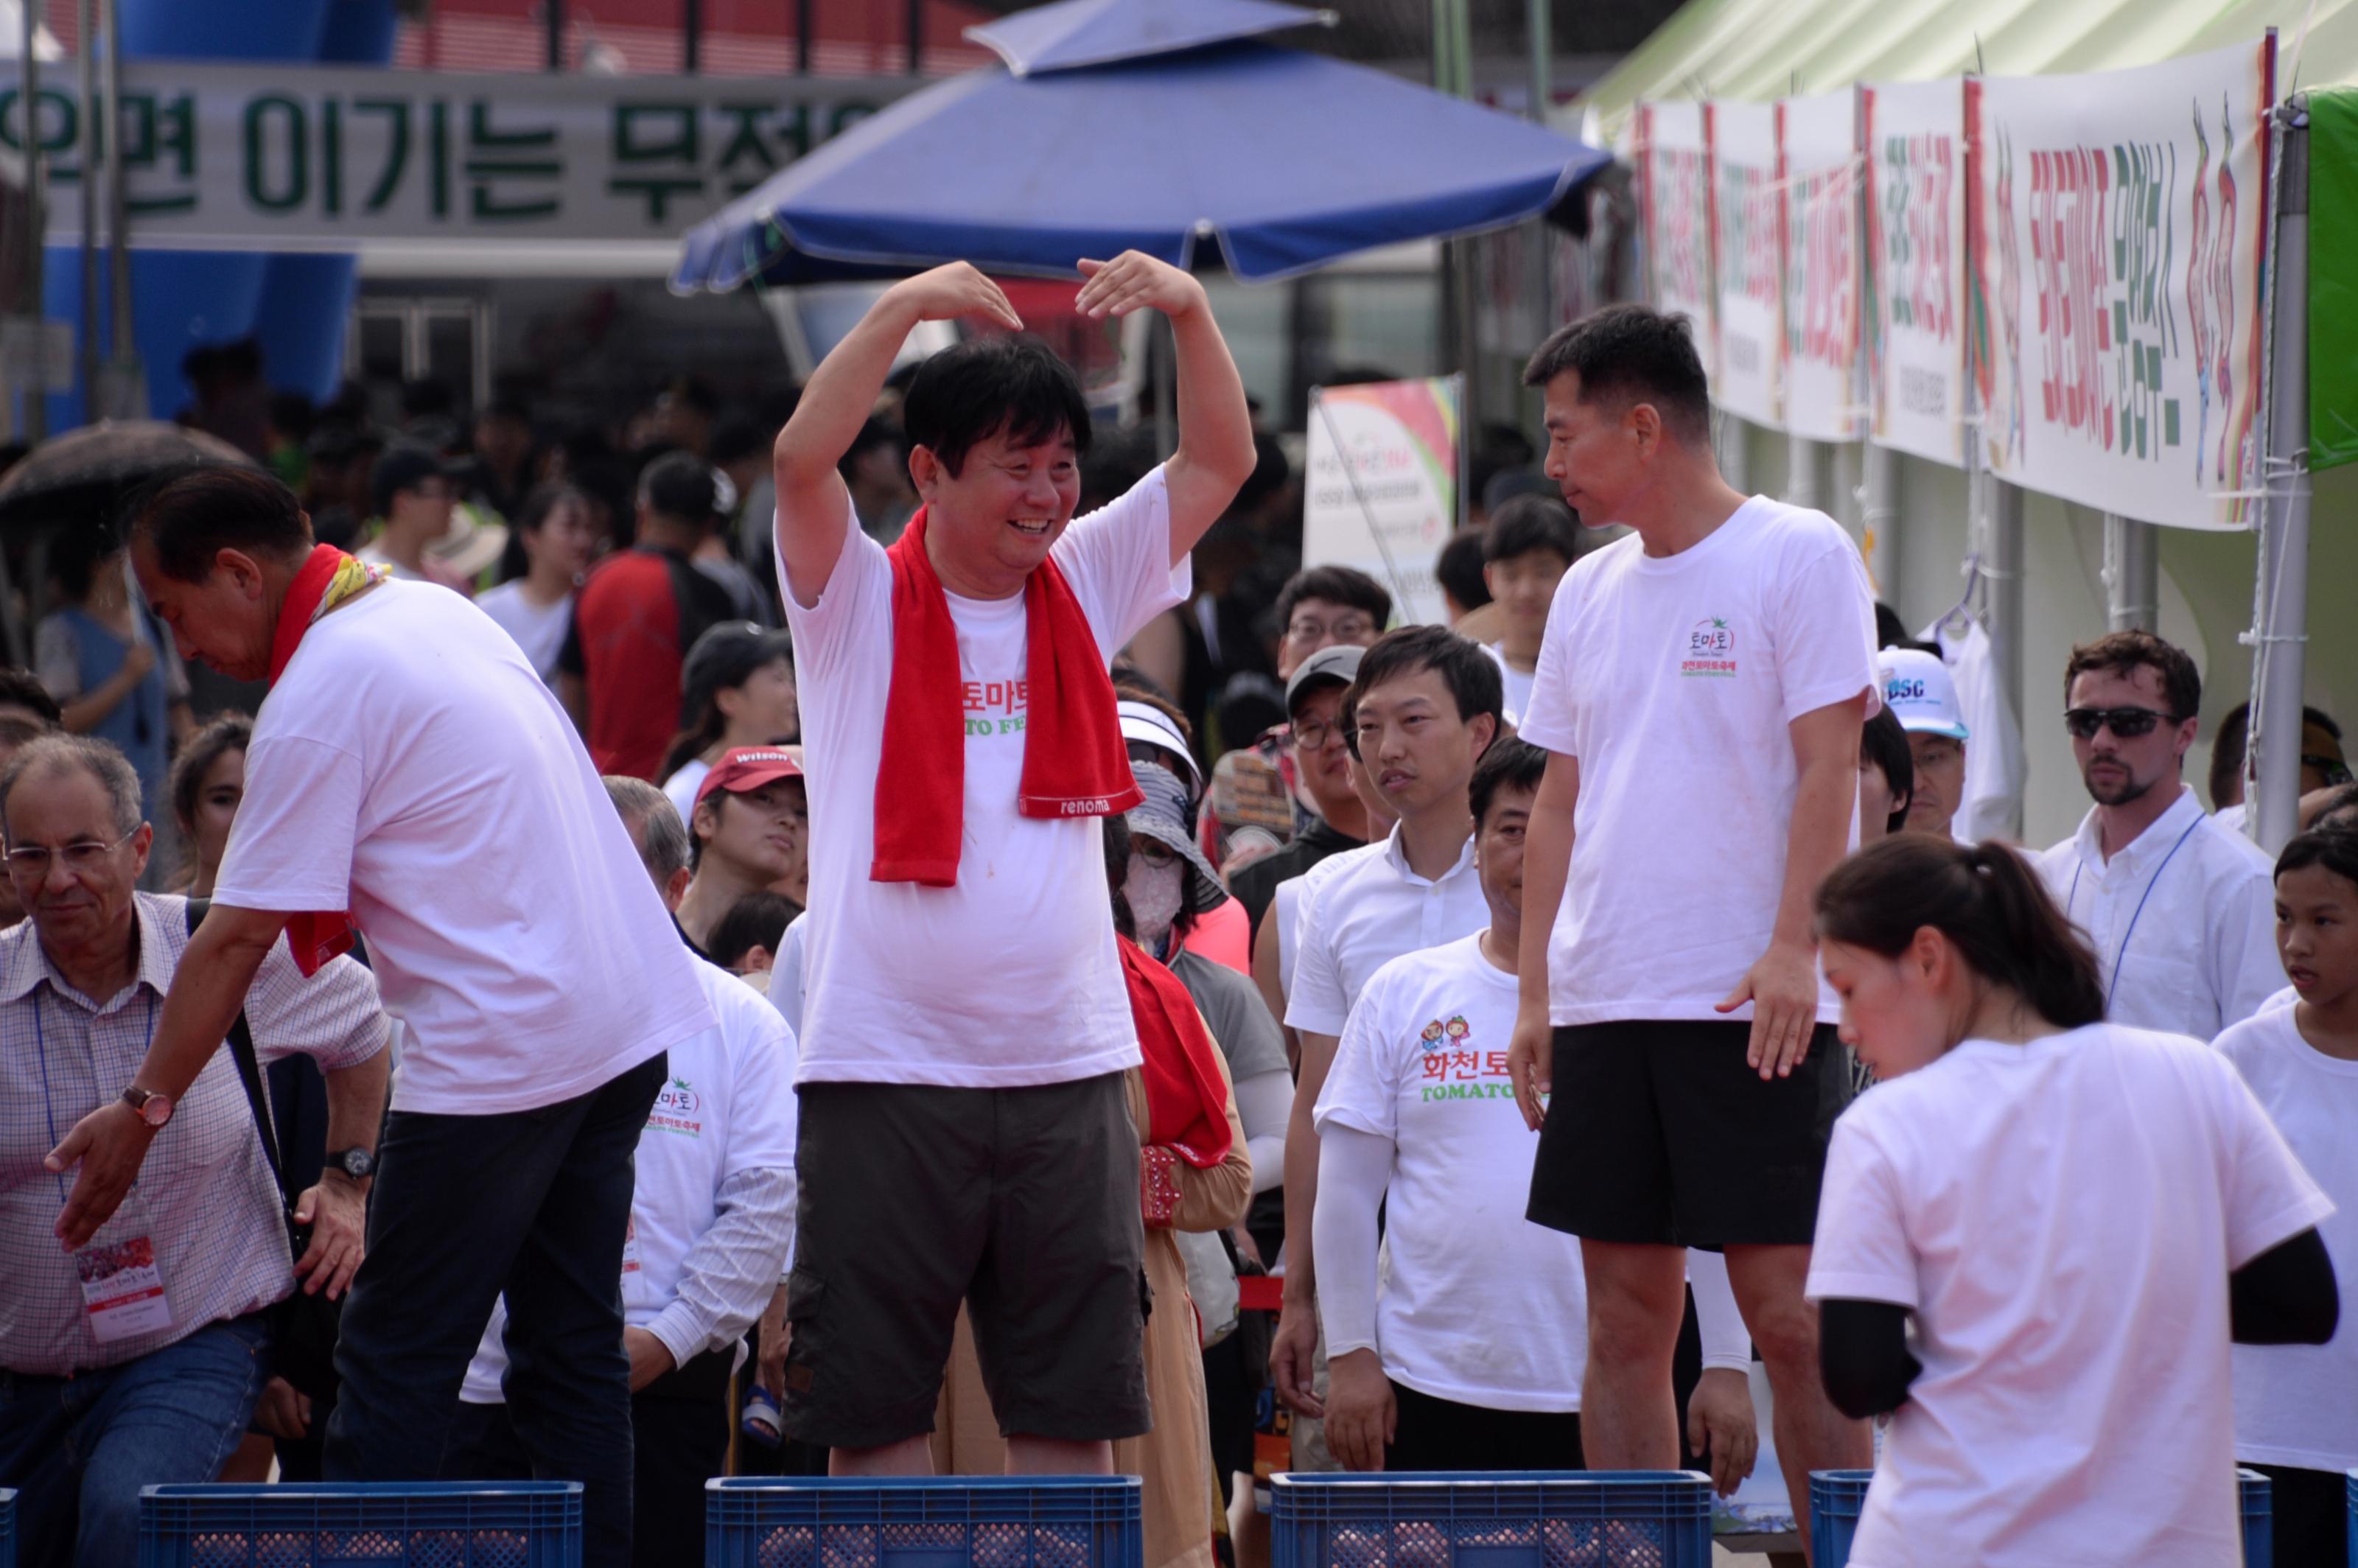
1360 1091
1862 1251
1546 718
1726 1341
1824 635
1315 1003
1354 1169
2246 969
854 616
2270 1199
1117 561
291 844
1264 1104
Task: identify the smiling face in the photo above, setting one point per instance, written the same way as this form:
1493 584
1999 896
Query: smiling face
2317 932
225 620
2118 771
82 899
989 526
1896 1011
1417 752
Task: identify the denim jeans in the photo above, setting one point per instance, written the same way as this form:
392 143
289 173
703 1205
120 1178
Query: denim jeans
533 1203
78 1449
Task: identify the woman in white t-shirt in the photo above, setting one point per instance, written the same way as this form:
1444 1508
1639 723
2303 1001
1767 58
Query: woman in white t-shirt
2075 1214
739 681
2296 1406
536 609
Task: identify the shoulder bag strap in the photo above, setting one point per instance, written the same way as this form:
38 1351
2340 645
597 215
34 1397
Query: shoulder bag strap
249 1072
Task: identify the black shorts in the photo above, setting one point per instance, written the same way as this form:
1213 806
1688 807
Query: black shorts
1658 1133
1434 1434
1021 1203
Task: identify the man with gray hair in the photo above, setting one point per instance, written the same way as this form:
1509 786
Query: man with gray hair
711 1234
138 1357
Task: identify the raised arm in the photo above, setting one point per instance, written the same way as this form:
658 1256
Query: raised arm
813 504
1216 439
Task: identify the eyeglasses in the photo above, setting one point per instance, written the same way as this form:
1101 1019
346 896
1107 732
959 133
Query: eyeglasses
1346 629
2126 723
1153 852
1312 735
31 861
2332 770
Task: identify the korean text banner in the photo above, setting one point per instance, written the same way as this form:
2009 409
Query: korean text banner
1914 133
1817 141
1381 487
1675 188
2120 230
1748 237
297 158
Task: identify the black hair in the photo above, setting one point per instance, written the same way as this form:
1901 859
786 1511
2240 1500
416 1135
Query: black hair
969 392
758 919
1458 569
74 557
874 433
1466 668
405 465
1636 354
2335 848
292 415
426 398
1525 523
229 732
735 436
1335 585
2339 811
2233 737
195 517
1512 762
679 485
695 393
1884 742
542 500
1117 864
1890 632
23 689
2124 652
1985 899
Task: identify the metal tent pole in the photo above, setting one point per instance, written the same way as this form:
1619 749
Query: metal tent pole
1878 518
2132 575
2282 619
88 154
28 123
1802 471
2003 567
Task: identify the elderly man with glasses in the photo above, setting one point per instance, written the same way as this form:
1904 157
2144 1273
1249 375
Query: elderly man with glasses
2179 909
138 1357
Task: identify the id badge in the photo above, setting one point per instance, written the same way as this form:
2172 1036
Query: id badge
630 1262
121 1289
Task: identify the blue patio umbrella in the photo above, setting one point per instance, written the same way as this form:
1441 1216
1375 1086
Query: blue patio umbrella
1158 126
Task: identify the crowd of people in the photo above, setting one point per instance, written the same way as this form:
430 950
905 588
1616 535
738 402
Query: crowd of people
836 950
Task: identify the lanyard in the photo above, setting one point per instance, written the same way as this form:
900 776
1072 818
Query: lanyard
2123 951
48 1101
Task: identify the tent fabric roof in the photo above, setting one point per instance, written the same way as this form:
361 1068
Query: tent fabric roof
1073 33
1761 49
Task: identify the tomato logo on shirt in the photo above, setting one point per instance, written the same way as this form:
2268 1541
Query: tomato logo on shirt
1455 1070
1711 648
677 1109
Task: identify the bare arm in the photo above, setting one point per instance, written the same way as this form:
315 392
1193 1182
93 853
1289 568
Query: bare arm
1547 866
1782 984
208 992
812 505
1215 437
1294 1346
1265 978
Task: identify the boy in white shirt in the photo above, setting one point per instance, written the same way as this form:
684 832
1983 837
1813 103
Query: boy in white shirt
1702 689
1526 549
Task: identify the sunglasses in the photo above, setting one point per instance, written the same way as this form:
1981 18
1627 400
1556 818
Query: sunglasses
2127 723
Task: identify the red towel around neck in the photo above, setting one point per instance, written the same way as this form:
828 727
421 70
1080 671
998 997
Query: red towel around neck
316 936
1075 763
1186 1101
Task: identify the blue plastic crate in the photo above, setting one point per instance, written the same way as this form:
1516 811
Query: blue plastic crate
966 1521
7 1527
420 1524
1537 1518
1837 1496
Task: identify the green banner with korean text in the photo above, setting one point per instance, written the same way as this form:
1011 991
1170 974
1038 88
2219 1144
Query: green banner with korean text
318 159
2333 289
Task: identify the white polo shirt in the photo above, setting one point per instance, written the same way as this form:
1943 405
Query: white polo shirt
2182 920
1364 908
2061 1217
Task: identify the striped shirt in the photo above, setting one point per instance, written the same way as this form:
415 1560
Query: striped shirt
205 1199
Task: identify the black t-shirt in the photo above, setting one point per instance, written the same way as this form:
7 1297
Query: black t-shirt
1255 885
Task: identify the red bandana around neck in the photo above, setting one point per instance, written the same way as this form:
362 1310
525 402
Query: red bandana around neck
315 936
1186 1099
1075 763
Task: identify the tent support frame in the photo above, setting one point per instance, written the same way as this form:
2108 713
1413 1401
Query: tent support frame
2280 630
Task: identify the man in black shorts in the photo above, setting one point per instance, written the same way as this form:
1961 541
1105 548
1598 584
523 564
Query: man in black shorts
965 1132
1700 690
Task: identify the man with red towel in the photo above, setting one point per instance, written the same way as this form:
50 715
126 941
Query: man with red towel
965 1132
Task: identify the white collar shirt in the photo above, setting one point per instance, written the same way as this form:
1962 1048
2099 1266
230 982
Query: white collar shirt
1367 908
2182 920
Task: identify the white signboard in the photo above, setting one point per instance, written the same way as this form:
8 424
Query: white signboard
1382 491
1748 237
1914 133
1674 196
2120 231
1817 141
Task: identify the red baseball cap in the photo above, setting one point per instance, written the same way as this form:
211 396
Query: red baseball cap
748 767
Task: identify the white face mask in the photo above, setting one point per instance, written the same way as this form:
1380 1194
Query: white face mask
1154 891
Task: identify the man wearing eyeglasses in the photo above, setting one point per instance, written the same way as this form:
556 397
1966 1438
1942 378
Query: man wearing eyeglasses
136 1358
2179 910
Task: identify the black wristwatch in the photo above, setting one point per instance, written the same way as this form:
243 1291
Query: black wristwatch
357 1164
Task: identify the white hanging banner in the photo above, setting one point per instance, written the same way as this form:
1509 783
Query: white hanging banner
1817 158
1747 236
1674 193
1380 491
1914 133
2120 232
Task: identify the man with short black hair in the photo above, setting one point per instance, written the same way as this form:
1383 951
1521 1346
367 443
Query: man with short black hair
2179 909
410 487
2322 766
1526 550
1722 653
966 998
636 618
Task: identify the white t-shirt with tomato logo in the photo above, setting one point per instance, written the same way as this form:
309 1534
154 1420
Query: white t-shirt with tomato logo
1673 680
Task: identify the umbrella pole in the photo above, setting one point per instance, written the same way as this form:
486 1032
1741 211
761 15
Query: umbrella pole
29 101
86 51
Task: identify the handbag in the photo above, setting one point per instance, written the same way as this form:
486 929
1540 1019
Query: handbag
303 1327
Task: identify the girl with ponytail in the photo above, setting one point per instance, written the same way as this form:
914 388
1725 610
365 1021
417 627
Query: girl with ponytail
2076 1215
